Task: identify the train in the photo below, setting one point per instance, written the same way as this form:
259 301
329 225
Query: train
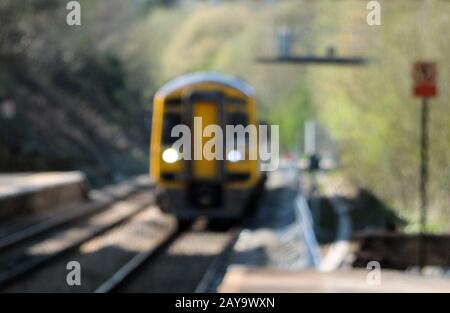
194 115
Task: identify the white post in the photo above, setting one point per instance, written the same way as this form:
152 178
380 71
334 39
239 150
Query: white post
310 137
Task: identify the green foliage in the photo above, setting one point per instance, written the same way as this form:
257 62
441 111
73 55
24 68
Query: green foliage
103 75
74 107
368 110
225 38
371 111
145 6
291 113
195 46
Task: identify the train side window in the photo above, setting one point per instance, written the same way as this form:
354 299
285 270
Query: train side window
170 121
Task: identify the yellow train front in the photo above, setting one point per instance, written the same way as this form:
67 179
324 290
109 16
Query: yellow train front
191 183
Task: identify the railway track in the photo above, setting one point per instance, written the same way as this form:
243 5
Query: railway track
201 277
130 268
217 269
40 244
177 260
102 236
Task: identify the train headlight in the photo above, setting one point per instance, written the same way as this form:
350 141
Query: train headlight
234 156
170 155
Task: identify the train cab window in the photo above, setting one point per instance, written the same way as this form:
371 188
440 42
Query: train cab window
170 121
236 119
173 103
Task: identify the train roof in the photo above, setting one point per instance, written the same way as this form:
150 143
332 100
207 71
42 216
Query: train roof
202 77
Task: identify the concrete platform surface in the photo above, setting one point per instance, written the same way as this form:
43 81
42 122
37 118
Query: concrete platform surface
242 279
33 192
13 184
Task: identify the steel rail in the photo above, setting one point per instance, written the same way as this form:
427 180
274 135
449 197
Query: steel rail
120 277
217 268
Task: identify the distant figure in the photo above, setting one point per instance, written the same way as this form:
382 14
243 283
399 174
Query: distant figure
314 162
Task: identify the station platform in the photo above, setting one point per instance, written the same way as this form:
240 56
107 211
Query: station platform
27 193
243 279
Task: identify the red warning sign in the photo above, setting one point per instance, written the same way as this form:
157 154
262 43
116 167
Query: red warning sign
424 76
